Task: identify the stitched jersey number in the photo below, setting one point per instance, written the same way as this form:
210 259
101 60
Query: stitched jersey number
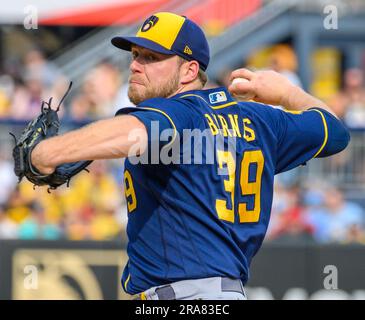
247 187
130 194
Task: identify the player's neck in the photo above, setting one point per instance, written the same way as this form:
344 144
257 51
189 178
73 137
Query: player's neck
195 85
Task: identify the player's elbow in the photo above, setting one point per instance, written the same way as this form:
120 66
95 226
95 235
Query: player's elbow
338 138
346 137
341 139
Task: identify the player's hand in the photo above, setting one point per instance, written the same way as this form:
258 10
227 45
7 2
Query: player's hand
264 86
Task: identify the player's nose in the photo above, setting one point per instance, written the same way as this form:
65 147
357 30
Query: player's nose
135 66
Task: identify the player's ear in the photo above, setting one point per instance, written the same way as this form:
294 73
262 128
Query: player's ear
189 71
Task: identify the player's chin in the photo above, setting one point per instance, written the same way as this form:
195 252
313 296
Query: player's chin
136 95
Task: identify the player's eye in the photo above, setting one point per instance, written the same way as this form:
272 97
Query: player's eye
151 58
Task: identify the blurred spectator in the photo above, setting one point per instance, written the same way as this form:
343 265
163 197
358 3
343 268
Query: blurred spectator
18 207
36 64
101 86
314 194
122 99
36 226
284 60
93 203
8 179
27 99
349 103
97 189
4 104
6 92
39 80
105 226
8 228
290 221
338 220
76 227
279 205
355 234
80 109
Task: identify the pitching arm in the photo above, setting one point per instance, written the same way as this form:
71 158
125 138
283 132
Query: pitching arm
104 139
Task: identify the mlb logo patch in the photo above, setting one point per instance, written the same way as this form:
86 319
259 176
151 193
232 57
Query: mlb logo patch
217 97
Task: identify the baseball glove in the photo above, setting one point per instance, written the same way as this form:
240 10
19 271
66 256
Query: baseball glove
45 126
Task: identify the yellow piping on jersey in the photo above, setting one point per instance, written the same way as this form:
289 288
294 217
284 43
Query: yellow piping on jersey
293 111
217 107
168 117
126 282
224 105
325 132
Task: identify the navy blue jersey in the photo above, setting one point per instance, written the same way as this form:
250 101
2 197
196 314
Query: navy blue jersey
198 220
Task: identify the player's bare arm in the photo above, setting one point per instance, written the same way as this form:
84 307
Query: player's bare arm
273 88
104 139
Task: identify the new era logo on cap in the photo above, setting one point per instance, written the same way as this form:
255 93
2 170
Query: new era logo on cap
187 50
169 33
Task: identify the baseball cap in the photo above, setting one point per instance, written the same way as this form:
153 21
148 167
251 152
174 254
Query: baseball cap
169 33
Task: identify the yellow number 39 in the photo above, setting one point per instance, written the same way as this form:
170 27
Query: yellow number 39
130 194
247 187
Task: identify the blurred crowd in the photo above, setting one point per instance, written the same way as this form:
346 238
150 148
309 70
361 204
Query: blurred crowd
316 213
349 103
94 207
91 210
23 87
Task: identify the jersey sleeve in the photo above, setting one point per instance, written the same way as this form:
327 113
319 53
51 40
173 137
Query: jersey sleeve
302 136
163 119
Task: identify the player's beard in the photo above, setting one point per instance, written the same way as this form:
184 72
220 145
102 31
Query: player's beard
166 89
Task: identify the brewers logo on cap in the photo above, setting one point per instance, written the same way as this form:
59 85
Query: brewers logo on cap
149 23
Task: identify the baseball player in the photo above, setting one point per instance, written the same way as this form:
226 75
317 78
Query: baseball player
193 228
